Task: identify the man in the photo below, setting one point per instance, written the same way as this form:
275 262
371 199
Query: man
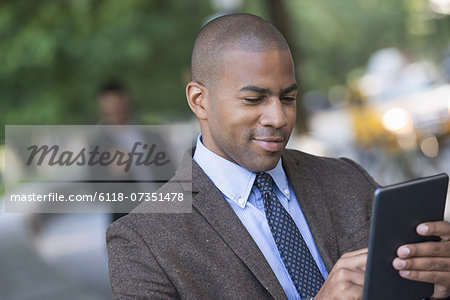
266 222
116 108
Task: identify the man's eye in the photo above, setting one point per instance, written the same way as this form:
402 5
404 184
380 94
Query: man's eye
253 99
288 99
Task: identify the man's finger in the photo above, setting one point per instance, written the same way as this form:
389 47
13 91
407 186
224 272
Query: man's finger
423 264
356 252
342 284
357 278
426 276
439 228
425 249
355 262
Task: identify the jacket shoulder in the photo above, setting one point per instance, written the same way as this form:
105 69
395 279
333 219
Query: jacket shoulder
327 166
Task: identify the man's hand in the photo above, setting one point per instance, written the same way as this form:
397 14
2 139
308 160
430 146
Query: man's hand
346 279
428 261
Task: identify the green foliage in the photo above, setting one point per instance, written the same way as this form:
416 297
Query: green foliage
55 54
336 37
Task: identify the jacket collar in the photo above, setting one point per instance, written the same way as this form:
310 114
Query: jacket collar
309 192
210 203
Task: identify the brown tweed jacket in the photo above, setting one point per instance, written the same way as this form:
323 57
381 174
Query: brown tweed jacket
208 254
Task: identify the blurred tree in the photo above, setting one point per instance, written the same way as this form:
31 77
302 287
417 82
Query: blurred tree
55 54
336 37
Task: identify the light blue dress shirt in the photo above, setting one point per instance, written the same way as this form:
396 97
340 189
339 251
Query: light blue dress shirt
236 185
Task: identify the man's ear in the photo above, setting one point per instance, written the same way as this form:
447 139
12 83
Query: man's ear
197 97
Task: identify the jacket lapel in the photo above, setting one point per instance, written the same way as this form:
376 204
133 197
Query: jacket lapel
318 215
210 203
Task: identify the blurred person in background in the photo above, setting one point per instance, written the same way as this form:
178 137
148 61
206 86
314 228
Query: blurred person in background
261 214
115 105
116 108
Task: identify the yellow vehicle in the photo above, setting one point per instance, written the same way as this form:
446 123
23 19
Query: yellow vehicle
402 106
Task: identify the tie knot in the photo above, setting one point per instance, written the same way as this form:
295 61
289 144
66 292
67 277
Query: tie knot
264 182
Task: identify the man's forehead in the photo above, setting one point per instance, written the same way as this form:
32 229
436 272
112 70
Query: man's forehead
243 60
246 65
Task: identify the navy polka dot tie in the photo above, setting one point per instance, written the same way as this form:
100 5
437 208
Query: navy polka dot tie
292 247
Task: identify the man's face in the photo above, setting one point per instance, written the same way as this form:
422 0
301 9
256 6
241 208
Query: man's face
251 108
115 108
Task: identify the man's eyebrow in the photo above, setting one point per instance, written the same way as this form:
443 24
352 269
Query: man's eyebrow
253 88
293 87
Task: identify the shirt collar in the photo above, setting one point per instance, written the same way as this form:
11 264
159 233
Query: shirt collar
234 181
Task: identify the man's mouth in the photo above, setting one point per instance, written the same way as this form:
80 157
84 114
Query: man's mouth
271 144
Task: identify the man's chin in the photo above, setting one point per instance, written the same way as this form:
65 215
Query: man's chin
264 164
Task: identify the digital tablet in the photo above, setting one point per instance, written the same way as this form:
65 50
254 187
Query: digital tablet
397 210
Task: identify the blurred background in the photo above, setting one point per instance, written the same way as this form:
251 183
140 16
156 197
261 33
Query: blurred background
374 78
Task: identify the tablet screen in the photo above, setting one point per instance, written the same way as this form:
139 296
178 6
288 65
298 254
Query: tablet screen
397 210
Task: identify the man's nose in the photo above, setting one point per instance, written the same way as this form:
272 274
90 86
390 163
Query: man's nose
273 113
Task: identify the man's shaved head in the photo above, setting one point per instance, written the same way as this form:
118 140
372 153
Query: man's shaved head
231 32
